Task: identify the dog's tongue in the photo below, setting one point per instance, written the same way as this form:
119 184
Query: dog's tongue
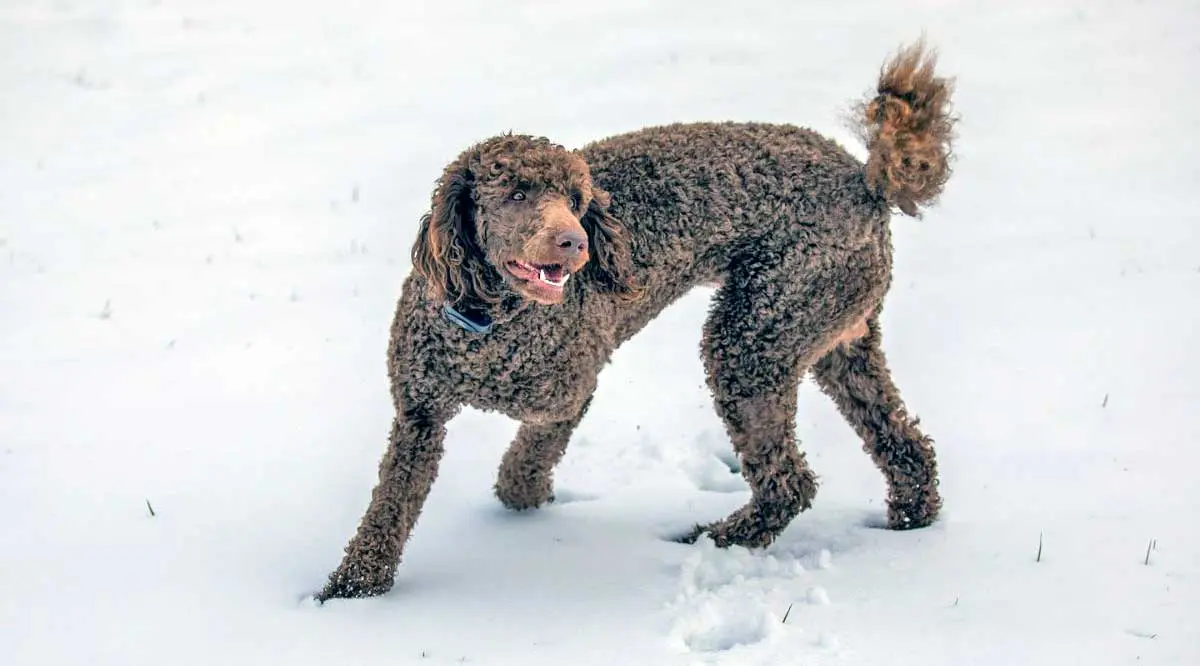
553 273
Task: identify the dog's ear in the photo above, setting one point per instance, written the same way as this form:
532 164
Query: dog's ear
611 264
446 252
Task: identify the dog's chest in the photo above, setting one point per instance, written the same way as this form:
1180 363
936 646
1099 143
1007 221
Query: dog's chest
533 378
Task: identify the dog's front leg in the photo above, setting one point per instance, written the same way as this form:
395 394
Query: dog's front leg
406 474
526 476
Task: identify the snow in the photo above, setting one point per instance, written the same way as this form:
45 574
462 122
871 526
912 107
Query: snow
205 218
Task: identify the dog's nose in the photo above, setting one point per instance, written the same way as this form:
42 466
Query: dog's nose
571 242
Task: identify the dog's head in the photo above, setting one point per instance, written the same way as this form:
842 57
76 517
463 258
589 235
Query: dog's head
518 214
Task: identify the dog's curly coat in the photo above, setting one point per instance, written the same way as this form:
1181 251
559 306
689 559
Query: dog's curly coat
535 263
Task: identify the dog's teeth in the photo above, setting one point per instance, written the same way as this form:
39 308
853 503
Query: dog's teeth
556 283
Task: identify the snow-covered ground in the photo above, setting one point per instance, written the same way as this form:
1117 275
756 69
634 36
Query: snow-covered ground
206 210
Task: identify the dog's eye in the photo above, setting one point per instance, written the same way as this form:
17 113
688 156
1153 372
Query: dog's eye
575 202
517 196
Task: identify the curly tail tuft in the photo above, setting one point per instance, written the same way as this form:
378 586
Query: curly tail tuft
908 129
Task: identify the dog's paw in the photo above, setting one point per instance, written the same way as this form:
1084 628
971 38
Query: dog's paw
756 524
914 514
349 585
737 530
524 497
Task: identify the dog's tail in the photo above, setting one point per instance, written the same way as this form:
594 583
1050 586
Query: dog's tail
908 129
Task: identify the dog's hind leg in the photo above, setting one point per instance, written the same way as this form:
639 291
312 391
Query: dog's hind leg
856 376
771 320
526 476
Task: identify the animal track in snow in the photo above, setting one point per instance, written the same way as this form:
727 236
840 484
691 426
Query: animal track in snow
736 598
713 466
817 596
724 622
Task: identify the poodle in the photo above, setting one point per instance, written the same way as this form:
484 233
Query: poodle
535 262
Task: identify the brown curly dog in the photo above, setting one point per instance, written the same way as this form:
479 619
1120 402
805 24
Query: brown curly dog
535 263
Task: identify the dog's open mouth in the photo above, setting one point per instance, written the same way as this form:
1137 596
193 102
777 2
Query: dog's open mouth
552 275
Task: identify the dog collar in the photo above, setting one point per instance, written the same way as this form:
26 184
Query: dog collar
482 326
